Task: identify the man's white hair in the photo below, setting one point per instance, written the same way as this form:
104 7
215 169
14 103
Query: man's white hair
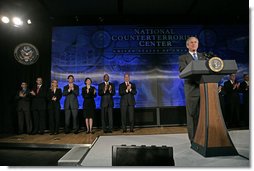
189 38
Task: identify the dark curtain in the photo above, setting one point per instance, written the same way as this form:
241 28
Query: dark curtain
12 72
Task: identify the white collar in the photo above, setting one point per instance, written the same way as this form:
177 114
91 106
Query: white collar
193 52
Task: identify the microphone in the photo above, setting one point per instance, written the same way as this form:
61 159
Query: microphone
209 55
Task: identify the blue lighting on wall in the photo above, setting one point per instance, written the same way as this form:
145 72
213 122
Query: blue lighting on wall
148 54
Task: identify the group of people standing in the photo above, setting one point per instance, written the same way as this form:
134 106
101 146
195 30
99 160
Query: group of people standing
33 104
230 101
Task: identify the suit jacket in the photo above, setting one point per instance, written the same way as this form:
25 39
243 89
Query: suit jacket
244 88
191 86
127 98
39 101
232 95
107 97
23 102
88 97
71 99
52 103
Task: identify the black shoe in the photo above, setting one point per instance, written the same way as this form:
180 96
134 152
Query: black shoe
75 132
92 132
105 132
131 130
67 132
51 133
87 132
109 131
124 131
34 132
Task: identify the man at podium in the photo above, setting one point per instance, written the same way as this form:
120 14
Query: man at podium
191 86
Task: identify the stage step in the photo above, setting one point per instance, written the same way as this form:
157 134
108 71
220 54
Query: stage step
73 157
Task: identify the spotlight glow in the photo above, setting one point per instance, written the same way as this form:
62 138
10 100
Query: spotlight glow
17 21
5 19
29 21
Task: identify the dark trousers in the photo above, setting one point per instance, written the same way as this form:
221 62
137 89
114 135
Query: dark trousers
233 113
246 112
39 121
130 110
74 113
107 116
54 117
24 116
192 115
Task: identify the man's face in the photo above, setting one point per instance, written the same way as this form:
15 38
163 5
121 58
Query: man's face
192 44
232 77
126 78
246 78
39 81
106 77
70 79
23 85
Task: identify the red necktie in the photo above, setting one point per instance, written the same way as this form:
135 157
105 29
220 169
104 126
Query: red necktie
38 89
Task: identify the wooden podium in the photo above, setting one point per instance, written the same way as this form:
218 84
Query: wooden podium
211 137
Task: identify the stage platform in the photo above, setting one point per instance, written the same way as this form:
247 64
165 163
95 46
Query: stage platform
82 137
184 156
98 147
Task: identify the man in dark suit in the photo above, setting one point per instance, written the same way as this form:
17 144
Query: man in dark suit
244 88
39 98
107 91
231 88
127 90
71 91
191 86
23 109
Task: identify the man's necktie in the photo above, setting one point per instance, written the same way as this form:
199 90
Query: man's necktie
195 56
38 89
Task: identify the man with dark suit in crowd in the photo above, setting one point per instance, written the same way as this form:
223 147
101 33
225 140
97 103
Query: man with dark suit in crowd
191 86
221 93
23 109
244 88
127 90
107 91
39 98
231 88
71 91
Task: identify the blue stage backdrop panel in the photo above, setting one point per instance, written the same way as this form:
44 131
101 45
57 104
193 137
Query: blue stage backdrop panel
148 54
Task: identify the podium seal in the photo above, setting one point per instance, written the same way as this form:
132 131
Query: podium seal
215 64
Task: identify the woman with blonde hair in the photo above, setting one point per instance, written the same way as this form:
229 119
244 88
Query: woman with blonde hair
54 96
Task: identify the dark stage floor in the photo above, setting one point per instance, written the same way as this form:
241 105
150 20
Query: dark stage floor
30 157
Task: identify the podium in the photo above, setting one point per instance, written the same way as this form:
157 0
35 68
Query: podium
211 137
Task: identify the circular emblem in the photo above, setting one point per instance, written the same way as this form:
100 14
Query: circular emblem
26 54
215 64
101 39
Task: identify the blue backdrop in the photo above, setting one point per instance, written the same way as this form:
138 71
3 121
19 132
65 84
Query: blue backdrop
148 54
